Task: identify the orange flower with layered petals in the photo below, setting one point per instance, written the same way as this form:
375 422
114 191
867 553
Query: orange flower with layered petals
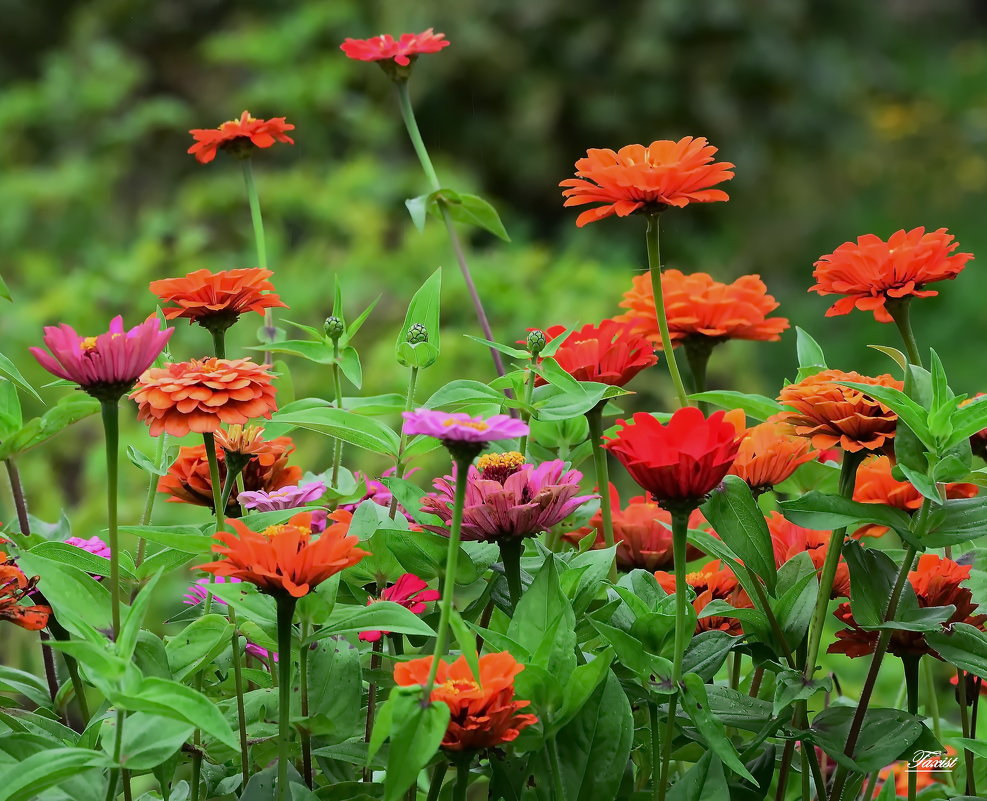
769 453
872 273
875 484
703 310
202 394
713 581
648 179
216 300
936 582
284 559
239 137
789 540
482 714
14 588
830 414
609 353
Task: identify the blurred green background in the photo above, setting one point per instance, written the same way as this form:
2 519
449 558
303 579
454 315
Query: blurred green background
843 118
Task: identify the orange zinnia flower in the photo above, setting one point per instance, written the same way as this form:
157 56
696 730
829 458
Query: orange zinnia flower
649 179
830 414
702 310
14 588
936 582
202 394
239 137
216 300
711 582
788 540
482 714
875 484
267 469
285 560
609 353
768 454
642 531
872 272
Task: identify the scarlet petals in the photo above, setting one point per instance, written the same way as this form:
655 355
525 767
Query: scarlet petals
608 353
401 50
240 135
202 296
409 591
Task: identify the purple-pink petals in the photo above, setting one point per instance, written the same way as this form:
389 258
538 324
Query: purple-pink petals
411 592
460 427
290 497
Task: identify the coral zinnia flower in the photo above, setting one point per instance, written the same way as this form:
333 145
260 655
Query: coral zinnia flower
788 540
872 272
188 479
284 559
239 137
703 311
936 582
482 714
506 498
216 300
385 47
768 454
105 366
202 394
411 592
649 179
830 414
713 581
875 484
14 587
642 531
608 353
679 462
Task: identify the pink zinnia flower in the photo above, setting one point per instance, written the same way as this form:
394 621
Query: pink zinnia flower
460 427
411 592
93 545
262 653
107 365
285 498
197 593
506 498
386 47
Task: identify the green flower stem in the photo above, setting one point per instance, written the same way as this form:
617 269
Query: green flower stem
152 494
595 419
911 666
511 549
654 265
697 353
931 698
218 342
17 491
286 614
303 689
375 659
655 730
217 488
435 786
786 765
900 313
555 763
399 465
462 779
51 675
238 684
408 115
270 331
60 634
337 392
449 579
965 728
529 388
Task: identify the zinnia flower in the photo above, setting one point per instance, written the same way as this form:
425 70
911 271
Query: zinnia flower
284 559
216 300
875 484
93 545
411 592
608 353
872 272
290 497
506 498
107 365
712 582
642 531
789 540
482 714
386 48
830 414
648 179
14 588
680 462
936 582
202 394
198 592
701 311
239 137
463 436
768 454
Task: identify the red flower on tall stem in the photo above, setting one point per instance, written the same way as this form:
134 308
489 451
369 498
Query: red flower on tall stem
239 137
385 47
608 353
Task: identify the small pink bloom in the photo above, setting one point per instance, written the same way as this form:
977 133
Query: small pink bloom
460 427
262 653
93 545
384 47
197 593
285 498
411 592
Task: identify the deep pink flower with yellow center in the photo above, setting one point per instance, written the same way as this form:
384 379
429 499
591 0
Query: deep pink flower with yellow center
409 591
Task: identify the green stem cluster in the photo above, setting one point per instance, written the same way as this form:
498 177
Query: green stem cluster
595 419
285 613
654 266
257 221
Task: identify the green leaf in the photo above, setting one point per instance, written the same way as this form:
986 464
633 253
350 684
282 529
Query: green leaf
462 392
416 731
75 594
469 209
74 556
335 684
198 644
187 539
544 623
828 512
792 686
354 429
26 684
955 522
704 781
32 776
962 645
759 407
872 576
810 355
149 740
68 410
580 686
886 736
10 371
11 418
706 653
423 310
734 514
378 616
418 210
696 704
126 642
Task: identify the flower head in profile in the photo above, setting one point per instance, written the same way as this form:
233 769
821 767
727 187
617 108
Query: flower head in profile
768 454
608 353
239 137
829 414
202 394
409 591
714 581
289 497
482 713
286 559
872 273
701 311
789 540
506 498
642 531
107 365
680 462
15 587
461 434
646 179
216 300
401 51
937 582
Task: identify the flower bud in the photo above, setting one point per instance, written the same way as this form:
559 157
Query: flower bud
535 342
417 334
333 327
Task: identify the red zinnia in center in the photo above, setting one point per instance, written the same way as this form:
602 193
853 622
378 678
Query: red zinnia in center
608 353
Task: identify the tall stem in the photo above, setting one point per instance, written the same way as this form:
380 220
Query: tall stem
900 311
697 353
238 684
555 764
209 440
218 342
111 428
931 699
399 465
51 676
655 746
286 614
337 391
595 419
911 665
511 549
303 689
435 786
270 331
462 779
17 491
654 265
375 659
152 494
529 389
965 728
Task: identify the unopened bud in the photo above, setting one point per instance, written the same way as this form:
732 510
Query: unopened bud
417 334
535 342
333 327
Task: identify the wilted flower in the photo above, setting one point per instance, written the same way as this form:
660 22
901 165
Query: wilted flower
15 587
409 591
239 137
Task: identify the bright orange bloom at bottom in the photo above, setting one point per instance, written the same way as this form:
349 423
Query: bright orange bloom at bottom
481 714
14 586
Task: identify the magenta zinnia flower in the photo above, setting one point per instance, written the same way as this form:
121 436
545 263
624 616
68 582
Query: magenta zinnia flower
107 365
463 436
506 498
197 593
285 498
411 592
93 545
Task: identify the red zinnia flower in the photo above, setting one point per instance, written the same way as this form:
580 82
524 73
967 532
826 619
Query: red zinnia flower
216 300
409 591
788 540
703 311
482 714
239 137
639 178
608 353
14 588
386 47
768 454
679 462
872 272
713 581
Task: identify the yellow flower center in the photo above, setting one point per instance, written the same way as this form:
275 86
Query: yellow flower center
477 425
458 686
508 459
88 344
